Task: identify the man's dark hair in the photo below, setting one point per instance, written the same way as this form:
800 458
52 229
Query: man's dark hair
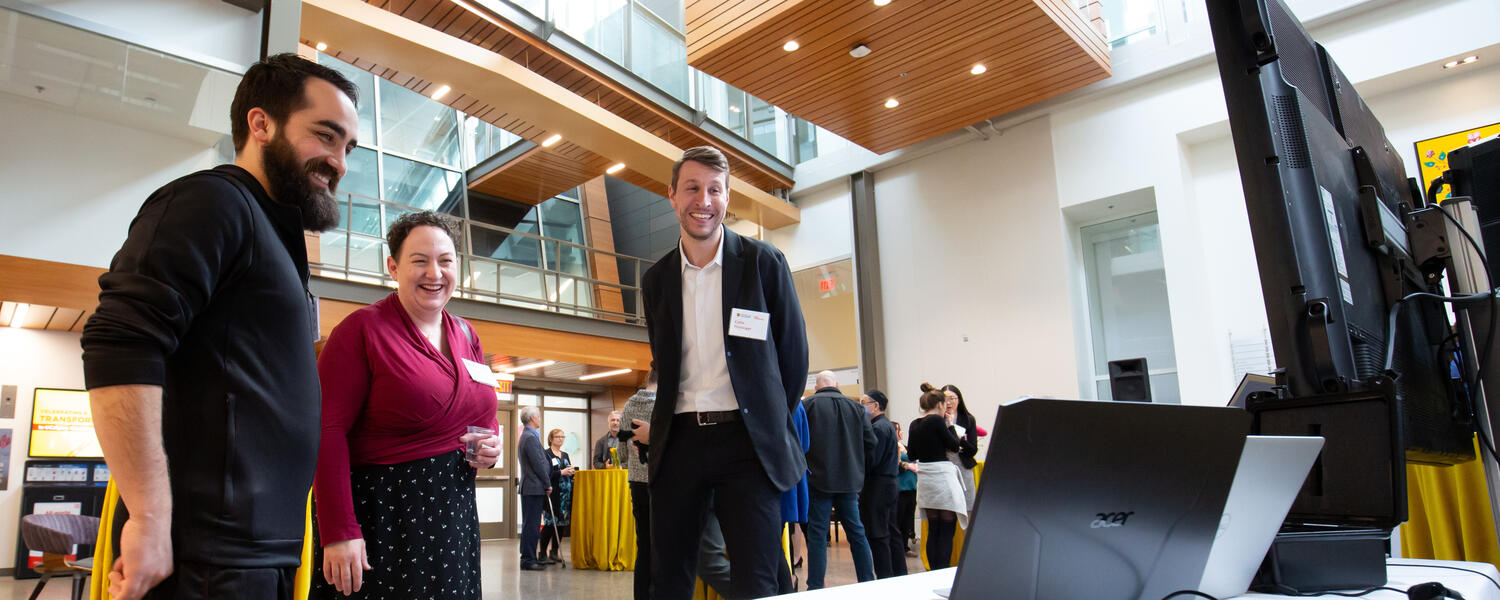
707 156
396 235
275 85
879 398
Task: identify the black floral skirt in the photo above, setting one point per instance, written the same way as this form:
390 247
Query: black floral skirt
421 531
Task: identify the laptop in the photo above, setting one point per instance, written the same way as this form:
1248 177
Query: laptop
1088 500
1272 470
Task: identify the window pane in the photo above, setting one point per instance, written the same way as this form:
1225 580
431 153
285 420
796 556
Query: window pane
362 178
1128 293
575 427
366 255
365 81
670 11
566 402
366 218
422 186
482 140
763 124
659 55
525 399
538 8
599 24
332 247
503 245
1131 21
723 103
415 125
806 137
563 220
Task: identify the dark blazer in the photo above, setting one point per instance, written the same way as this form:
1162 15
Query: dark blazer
969 442
887 457
767 376
843 442
536 469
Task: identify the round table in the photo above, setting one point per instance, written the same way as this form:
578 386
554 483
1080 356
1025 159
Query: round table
603 524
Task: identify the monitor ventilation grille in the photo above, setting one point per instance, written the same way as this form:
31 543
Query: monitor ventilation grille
1293 138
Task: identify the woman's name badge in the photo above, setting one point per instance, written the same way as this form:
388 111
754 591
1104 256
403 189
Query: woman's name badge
480 373
749 323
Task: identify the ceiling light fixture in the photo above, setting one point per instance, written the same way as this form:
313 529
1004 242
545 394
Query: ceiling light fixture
1463 61
977 70
790 46
614 169
882 2
19 315
604 374
321 46
441 91
556 137
528 367
859 51
892 103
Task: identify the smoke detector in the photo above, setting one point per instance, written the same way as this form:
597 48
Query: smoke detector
859 51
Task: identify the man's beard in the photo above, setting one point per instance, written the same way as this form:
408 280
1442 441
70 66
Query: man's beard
291 184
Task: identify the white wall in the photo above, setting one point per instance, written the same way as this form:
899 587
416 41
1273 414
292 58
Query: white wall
30 359
210 31
974 277
826 232
69 191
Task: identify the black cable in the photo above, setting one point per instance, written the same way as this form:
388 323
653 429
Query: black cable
1390 341
1432 189
1193 593
1489 338
1480 573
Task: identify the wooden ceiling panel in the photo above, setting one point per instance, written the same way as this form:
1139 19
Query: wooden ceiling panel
921 53
542 173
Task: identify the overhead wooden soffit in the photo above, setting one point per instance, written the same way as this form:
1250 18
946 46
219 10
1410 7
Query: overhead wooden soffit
921 54
366 34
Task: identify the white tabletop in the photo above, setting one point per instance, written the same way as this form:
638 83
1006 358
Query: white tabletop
1403 573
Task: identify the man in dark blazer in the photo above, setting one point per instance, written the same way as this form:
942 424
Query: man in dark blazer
728 341
536 484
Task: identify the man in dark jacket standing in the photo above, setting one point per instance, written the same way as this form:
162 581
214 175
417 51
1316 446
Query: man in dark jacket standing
843 444
199 358
536 485
877 501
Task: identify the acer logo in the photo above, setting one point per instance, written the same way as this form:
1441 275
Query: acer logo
1114 519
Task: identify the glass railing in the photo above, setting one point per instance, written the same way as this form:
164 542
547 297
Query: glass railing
525 270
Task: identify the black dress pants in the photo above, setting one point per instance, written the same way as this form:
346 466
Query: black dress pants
198 581
640 506
718 464
877 508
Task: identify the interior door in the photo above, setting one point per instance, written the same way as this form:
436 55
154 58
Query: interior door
495 489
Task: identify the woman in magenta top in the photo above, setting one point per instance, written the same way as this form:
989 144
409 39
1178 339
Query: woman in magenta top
394 495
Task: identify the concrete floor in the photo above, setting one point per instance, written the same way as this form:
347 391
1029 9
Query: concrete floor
504 579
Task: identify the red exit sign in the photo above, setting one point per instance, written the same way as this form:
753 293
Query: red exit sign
826 285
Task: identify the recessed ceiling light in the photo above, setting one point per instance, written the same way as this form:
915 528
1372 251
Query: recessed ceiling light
734 109
882 2
530 366
556 137
604 374
321 46
19 315
441 91
1470 59
1460 62
892 103
790 46
615 169
977 70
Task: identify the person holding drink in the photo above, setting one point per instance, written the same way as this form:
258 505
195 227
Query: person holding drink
408 416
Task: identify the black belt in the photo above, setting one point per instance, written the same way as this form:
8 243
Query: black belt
715 417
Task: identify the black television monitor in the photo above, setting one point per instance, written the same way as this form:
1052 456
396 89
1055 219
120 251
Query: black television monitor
1330 205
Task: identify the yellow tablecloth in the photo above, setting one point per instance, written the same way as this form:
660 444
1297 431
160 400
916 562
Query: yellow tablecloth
958 532
603 524
104 555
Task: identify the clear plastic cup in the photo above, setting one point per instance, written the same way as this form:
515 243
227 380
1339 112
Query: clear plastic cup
472 439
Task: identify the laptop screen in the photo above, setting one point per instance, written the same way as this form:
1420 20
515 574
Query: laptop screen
1098 500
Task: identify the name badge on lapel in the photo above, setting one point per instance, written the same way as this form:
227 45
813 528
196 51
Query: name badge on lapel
480 373
751 324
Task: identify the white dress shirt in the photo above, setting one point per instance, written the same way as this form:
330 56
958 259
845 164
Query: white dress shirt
705 383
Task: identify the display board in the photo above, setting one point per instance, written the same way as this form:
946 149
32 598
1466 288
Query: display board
62 425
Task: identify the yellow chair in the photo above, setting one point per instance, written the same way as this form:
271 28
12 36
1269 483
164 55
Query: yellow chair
104 556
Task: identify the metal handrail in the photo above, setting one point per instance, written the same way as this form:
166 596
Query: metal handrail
468 260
